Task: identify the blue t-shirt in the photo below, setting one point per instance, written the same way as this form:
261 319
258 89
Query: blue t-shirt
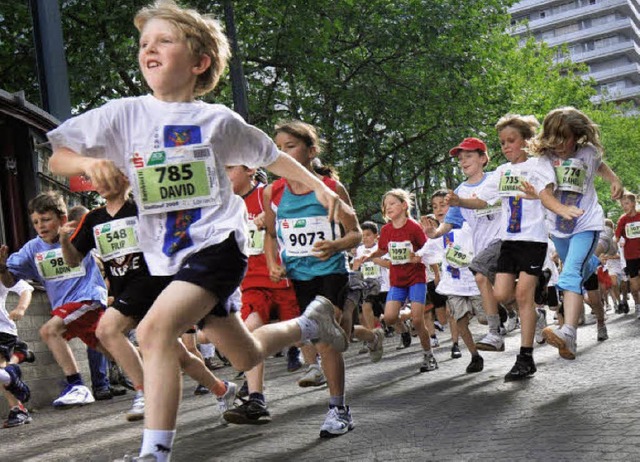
40 261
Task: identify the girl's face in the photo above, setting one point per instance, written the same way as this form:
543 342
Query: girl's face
167 64
394 208
628 205
295 147
471 162
512 145
567 148
440 208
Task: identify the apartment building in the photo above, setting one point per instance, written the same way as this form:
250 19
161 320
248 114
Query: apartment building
603 34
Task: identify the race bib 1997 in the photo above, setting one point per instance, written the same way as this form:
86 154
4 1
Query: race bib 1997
400 252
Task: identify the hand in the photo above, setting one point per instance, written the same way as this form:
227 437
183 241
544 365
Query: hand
428 228
68 229
331 201
277 273
570 212
104 175
324 249
17 314
616 189
529 191
258 220
452 198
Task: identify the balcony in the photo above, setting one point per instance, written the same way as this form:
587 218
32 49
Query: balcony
610 28
615 72
624 94
526 6
629 48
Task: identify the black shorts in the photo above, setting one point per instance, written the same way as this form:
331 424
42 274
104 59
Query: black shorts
438 300
552 296
7 345
139 294
591 283
333 287
377 303
633 267
522 256
218 269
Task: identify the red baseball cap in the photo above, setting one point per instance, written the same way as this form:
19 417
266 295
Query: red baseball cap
469 144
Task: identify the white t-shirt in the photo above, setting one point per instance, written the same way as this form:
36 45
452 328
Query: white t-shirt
456 279
431 254
183 148
522 219
572 181
370 270
485 223
7 326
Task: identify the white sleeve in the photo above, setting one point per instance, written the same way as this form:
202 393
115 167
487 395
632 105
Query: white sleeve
488 192
543 175
21 286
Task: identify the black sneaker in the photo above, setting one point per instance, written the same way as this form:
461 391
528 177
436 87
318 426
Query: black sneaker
405 341
476 364
624 307
17 417
27 355
455 351
102 394
522 369
293 359
201 390
250 412
243 392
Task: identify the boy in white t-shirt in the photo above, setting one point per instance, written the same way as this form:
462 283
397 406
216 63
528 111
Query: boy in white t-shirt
174 150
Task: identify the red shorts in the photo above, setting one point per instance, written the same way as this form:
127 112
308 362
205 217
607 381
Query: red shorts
263 301
603 278
81 320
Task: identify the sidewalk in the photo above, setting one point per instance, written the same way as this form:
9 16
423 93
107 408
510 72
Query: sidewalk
587 409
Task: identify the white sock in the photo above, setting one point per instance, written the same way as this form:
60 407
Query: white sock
308 327
207 350
5 378
158 443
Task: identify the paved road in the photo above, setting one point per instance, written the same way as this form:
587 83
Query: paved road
587 409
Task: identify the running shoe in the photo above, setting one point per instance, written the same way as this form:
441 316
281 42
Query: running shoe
102 394
321 311
314 377
243 392
74 395
439 326
293 359
337 422
434 342
27 356
455 351
522 369
212 364
137 408
513 321
491 342
17 417
376 348
250 412
429 363
405 341
541 323
201 390
602 333
225 402
17 387
565 344
476 364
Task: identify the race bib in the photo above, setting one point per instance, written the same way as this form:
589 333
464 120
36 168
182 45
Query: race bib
457 256
494 209
571 175
632 230
117 238
400 252
510 183
299 234
176 178
256 239
52 267
370 270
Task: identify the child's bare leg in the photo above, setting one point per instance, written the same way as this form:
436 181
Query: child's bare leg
51 333
417 317
465 333
111 333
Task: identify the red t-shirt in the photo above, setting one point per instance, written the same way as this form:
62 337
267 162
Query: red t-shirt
404 274
631 245
257 269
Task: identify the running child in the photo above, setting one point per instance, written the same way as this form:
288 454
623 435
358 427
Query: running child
192 227
628 227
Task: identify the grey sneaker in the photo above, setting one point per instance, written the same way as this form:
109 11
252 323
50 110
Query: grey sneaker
565 344
329 331
491 342
225 402
602 333
314 377
338 422
137 408
429 363
376 348
541 323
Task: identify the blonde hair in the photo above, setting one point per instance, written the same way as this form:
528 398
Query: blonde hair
525 125
203 34
403 196
558 125
628 195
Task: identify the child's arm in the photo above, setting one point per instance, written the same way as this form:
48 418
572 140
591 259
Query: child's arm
610 177
433 233
23 303
276 271
550 202
287 167
470 203
71 255
103 173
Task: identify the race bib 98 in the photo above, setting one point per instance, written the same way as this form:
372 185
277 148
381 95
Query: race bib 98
52 267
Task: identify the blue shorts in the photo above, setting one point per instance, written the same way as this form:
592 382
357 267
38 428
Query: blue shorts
578 262
416 293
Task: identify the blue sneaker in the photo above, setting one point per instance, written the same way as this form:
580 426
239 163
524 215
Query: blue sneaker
17 387
293 359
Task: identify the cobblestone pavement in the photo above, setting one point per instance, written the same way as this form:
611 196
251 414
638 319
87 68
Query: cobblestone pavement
585 409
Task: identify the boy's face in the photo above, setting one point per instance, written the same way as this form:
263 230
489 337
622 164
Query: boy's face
240 177
47 225
440 207
167 64
471 162
628 205
512 145
369 238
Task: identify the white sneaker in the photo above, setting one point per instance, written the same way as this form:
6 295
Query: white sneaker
434 342
541 323
225 402
337 422
376 348
329 331
491 342
565 344
314 377
512 321
74 395
137 408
